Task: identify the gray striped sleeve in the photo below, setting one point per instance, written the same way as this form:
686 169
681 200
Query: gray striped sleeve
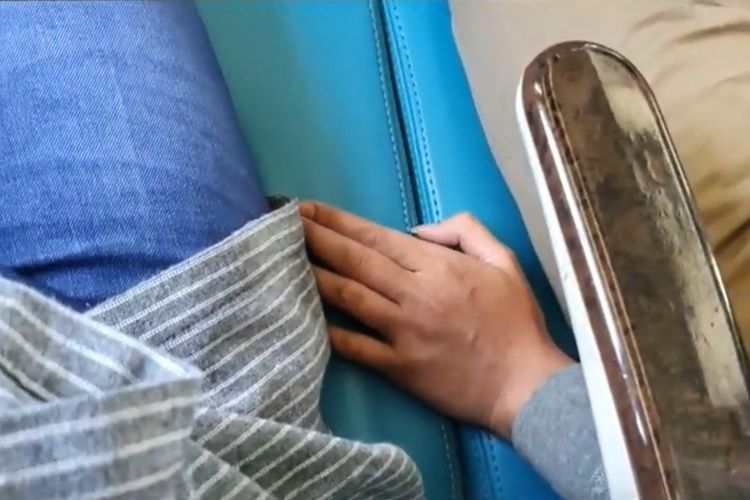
93 411
203 382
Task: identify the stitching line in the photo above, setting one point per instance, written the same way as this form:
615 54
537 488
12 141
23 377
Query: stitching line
391 134
435 206
496 479
424 150
451 478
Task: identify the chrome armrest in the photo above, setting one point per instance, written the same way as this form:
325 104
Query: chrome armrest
663 362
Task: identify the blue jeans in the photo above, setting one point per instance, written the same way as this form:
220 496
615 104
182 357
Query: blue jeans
120 154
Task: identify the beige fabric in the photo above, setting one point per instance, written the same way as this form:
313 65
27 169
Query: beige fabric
697 59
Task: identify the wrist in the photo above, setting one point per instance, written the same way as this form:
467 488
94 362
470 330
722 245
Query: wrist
528 374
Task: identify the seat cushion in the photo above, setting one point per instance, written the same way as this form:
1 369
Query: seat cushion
311 84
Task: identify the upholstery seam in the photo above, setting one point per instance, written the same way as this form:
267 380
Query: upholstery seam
496 486
391 132
435 207
451 478
424 149
393 7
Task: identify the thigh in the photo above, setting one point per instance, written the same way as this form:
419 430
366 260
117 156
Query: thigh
119 150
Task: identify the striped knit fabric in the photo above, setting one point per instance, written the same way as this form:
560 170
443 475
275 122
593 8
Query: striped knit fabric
202 382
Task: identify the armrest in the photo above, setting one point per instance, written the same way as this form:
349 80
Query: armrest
663 362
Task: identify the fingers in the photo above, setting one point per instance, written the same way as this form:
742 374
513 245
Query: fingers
361 348
397 246
465 232
365 305
355 261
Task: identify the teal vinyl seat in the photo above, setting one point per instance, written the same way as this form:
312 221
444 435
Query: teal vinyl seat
365 105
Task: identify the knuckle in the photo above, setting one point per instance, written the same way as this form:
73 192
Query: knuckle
415 356
404 296
313 210
349 295
370 237
346 344
466 219
422 315
322 214
355 349
353 257
508 256
362 259
444 267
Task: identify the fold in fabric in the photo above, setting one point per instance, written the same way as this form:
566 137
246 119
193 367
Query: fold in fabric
203 382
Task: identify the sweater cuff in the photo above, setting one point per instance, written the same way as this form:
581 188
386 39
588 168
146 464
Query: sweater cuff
555 431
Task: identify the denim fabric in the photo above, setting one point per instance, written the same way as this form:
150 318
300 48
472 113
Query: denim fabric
119 150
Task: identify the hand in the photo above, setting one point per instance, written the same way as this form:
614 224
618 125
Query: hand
460 330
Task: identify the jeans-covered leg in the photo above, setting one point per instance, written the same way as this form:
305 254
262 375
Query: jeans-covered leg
119 151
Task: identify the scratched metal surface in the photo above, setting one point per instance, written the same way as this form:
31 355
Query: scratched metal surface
672 355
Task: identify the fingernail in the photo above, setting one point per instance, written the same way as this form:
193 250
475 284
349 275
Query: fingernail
415 230
306 208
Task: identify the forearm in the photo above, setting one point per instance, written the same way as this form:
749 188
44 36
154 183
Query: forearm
555 431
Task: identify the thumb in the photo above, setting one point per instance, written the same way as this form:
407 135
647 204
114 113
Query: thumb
465 232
